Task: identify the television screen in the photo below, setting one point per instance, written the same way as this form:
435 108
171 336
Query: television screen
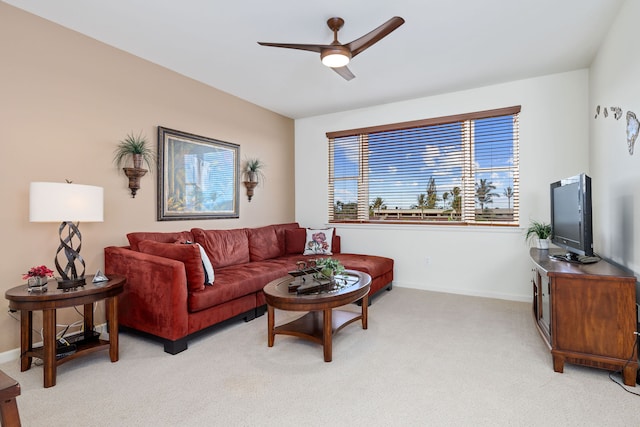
566 212
571 216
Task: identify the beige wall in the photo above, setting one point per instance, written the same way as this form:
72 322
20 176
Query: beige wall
65 102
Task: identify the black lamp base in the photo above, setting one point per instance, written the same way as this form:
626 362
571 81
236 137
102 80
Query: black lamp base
70 243
70 284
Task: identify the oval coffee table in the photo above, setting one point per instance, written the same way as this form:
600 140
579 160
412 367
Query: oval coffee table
322 321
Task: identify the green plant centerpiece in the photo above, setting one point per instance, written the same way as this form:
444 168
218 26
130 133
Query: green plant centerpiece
329 267
136 147
253 170
541 231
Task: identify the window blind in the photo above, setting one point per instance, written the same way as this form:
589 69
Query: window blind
459 169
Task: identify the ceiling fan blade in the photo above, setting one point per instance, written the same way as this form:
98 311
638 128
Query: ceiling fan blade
374 36
310 47
344 72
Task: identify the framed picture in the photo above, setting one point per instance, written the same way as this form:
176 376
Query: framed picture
198 177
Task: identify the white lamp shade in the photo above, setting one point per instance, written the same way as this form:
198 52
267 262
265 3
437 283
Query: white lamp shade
59 202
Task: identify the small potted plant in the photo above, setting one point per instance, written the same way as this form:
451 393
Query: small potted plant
253 170
136 147
37 277
541 231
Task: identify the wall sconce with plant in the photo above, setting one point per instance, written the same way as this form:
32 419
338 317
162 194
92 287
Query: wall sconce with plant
134 146
253 174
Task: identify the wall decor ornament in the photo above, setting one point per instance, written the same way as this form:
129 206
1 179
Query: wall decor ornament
134 146
632 128
252 172
198 177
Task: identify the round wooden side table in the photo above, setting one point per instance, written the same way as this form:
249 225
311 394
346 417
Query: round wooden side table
27 302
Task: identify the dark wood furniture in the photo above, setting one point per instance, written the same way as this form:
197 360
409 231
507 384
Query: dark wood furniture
586 314
322 321
9 390
53 299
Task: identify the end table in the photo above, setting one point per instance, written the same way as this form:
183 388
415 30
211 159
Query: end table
51 300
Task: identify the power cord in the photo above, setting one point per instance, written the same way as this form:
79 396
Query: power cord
59 335
635 344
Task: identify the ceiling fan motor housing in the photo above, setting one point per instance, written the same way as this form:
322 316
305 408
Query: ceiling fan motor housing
335 56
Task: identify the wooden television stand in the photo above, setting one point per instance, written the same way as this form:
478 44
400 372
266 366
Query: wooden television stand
586 314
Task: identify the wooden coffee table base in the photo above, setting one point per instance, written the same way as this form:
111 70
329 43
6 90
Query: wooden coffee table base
317 326
324 318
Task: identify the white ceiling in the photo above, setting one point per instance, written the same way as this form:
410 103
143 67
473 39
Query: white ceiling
444 46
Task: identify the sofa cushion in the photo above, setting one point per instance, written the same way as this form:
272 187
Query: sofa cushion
318 241
162 237
373 265
234 282
263 243
281 229
188 254
294 240
224 247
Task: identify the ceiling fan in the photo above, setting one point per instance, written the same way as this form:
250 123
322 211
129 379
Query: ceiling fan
337 55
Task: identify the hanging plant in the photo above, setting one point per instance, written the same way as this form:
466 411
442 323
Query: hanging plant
136 147
253 170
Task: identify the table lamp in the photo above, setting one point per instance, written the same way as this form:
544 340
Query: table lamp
69 204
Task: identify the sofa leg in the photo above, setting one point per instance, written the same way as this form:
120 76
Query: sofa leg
175 347
379 292
260 311
249 315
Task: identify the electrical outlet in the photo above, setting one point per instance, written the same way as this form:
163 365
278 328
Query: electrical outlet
427 260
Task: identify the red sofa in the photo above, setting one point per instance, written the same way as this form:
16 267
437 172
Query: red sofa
166 295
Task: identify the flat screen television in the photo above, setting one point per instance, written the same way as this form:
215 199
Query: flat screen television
571 226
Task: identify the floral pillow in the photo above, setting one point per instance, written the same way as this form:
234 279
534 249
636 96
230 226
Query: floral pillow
318 241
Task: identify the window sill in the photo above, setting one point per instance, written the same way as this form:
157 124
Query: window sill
433 226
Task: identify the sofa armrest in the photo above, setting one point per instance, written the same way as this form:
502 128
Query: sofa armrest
155 296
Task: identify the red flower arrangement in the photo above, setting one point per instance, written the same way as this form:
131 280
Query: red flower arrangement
41 270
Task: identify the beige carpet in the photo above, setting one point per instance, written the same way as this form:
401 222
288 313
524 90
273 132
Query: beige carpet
427 359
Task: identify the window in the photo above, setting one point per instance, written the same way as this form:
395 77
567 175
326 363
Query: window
459 169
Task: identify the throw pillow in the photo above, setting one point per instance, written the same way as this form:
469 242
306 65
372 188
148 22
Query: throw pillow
208 268
188 254
318 241
157 236
209 275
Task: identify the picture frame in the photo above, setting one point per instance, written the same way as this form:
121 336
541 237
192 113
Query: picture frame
198 177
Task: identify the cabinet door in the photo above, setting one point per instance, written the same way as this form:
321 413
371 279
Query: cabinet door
594 315
545 304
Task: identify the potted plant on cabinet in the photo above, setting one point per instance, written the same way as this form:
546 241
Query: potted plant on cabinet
541 231
136 147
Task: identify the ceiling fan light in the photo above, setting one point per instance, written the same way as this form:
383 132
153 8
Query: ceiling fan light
335 58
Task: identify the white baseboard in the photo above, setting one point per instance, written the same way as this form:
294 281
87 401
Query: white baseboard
468 292
9 356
